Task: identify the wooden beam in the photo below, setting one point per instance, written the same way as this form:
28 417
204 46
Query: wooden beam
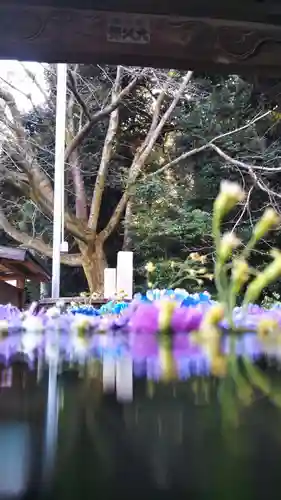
11 268
84 35
10 277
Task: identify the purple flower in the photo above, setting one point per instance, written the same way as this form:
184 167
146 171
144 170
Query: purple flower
186 319
145 319
9 312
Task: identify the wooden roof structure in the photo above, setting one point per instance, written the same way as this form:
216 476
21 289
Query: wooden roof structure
231 36
20 264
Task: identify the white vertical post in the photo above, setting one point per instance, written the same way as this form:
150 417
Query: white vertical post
109 282
125 273
59 176
52 402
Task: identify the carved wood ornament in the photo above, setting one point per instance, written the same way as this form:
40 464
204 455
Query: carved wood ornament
73 35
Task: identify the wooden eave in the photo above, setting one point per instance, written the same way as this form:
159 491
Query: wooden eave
225 36
18 264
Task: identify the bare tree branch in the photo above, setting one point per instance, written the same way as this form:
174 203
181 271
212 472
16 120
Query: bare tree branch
34 80
41 191
79 186
106 155
73 87
36 243
98 116
208 145
28 96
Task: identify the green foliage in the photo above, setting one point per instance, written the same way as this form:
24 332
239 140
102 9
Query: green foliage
172 210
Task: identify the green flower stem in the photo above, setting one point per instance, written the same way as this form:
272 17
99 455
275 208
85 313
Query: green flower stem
220 274
244 389
249 247
257 378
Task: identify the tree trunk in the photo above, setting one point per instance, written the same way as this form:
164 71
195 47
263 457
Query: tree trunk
94 264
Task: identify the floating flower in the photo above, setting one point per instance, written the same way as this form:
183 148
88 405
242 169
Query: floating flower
166 309
185 319
145 319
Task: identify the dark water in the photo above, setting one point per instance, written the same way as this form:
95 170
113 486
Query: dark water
175 444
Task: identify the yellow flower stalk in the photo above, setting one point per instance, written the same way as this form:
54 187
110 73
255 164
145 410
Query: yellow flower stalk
214 315
229 242
268 221
229 196
240 274
271 273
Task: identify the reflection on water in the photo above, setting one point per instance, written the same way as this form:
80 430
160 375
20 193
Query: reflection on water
167 446
175 444
14 459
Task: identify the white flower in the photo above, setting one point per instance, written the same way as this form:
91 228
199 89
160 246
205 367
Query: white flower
32 324
53 312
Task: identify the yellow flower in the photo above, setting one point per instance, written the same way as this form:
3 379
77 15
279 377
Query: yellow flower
269 220
209 276
150 267
191 272
196 257
203 259
203 270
